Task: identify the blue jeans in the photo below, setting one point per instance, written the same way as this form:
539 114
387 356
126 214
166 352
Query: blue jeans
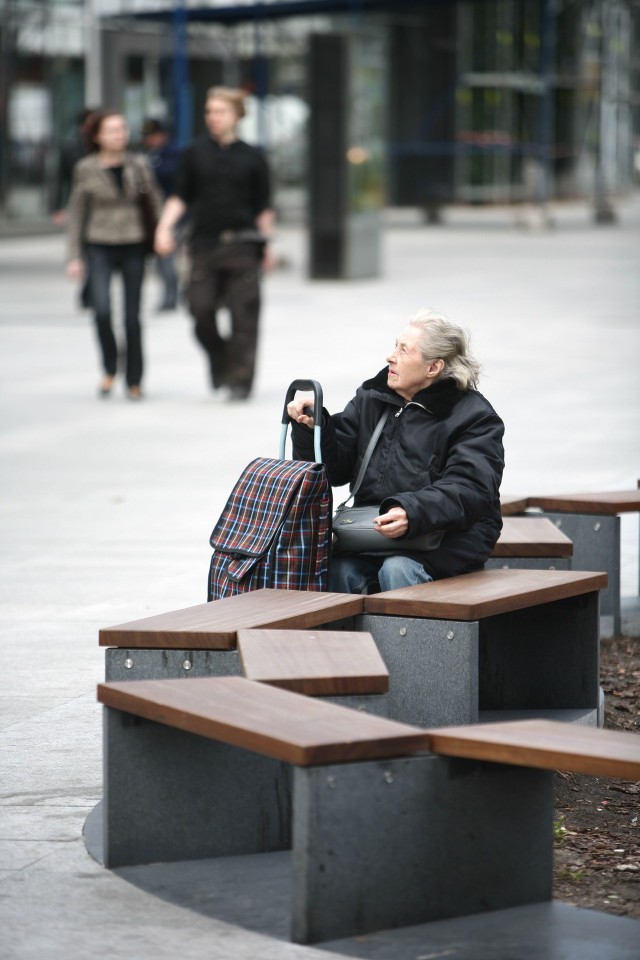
166 270
103 261
361 574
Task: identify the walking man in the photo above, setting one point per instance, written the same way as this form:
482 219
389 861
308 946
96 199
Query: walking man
223 185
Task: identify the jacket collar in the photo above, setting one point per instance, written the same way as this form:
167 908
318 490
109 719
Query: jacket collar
438 400
129 168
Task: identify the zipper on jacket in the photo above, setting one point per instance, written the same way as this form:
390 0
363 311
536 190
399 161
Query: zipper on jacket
408 404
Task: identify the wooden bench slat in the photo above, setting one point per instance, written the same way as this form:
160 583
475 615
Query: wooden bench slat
512 505
214 626
254 716
316 663
545 744
608 503
531 537
485 593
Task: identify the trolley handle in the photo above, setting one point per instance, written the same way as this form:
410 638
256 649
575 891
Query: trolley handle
317 414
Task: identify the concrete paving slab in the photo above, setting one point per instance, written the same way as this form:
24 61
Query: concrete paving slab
107 507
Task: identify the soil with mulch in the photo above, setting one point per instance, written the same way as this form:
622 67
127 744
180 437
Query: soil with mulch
597 820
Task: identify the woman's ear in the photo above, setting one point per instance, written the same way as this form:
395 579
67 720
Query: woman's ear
435 368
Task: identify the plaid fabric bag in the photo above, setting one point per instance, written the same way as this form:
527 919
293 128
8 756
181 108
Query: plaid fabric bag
274 531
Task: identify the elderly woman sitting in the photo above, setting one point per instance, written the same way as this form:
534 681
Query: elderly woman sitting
436 466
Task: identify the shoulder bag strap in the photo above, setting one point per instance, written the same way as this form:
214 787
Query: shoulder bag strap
368 452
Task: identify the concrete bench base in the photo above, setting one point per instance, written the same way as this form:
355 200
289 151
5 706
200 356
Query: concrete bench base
227 889
200 798
528 563
596 546
141 664
373 841
540 659
389 825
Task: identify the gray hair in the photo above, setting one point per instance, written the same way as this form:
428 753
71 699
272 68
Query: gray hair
442 339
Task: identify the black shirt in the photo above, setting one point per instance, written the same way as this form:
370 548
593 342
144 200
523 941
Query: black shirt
118 175
224 187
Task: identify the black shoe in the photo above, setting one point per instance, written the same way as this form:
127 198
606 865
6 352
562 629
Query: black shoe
167 306
218 370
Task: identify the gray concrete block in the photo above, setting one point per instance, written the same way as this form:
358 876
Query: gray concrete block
392 843
170 795
153 664
596 546
544 657
528 563
374 703
433 668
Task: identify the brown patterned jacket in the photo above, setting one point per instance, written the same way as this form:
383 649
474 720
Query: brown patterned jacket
99 212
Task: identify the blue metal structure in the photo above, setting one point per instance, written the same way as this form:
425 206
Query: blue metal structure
181 91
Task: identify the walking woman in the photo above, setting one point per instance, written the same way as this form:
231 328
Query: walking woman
106 224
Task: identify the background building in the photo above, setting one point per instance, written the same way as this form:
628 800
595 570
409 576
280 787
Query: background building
484 100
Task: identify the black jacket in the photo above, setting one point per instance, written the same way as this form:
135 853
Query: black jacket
440 457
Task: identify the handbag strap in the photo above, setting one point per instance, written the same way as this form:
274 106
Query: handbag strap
368 452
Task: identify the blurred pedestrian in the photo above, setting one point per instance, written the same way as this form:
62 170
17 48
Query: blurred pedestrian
163 157
110 189
224 185
71 151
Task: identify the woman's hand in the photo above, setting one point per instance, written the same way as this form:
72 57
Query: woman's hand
75 269
269 259
296 409
164 241
393 524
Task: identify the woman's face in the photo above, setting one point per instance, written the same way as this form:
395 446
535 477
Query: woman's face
113 134
408 371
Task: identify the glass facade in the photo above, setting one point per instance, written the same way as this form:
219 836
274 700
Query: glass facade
481 100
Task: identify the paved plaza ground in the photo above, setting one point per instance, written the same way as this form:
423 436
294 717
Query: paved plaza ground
108 505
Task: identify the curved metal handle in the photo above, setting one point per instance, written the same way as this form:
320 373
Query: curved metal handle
317 414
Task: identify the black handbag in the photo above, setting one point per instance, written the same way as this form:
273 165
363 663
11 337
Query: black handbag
353 528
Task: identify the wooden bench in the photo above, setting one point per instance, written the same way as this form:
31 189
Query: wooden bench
155 774
344 666
544 745
509 506
531 543
384 832
483 645
429 837
592 522
201 641
496 644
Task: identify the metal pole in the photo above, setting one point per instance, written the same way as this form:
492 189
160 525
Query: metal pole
545 114
260 78
93 55
9 38
603 211
183 121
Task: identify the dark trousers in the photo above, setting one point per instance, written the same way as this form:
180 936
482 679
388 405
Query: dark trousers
229 275
104 260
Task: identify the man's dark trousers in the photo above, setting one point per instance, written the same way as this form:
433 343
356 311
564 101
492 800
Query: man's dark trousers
227 274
